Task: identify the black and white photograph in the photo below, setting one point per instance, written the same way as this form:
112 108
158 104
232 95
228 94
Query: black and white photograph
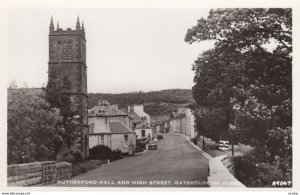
129 97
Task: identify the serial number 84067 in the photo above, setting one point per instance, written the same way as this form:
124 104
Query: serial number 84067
281 183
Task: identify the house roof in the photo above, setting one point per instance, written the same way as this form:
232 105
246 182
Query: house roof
179 116
108 111
117 127
134 116
143 126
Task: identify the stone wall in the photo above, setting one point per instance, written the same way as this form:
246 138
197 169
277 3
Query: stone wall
38 173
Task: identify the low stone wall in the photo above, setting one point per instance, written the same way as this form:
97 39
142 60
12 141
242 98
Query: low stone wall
37 173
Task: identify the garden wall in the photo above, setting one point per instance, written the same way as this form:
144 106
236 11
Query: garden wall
38 173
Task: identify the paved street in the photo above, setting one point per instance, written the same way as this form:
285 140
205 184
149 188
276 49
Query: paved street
174 164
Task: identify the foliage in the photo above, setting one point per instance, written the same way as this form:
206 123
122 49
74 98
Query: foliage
102 152
33 127
116 155
254 172
57 95
70 155
155 102
245 82
83 166
140 146
194 140
248 73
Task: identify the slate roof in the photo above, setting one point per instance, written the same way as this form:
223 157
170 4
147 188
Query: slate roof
117 127
143 126
179 116
110 111
134 116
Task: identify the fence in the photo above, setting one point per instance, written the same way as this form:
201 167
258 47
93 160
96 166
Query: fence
223 145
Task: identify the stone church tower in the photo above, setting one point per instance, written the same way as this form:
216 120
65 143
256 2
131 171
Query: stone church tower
67 59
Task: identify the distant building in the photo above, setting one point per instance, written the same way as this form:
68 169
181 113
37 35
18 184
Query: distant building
157 128
183 122
139 110
135 118
143 131
137 114
165 127
110 127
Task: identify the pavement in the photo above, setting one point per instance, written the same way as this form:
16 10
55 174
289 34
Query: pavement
175 163
219 175
206 155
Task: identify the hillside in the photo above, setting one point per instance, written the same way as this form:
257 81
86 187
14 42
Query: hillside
159 103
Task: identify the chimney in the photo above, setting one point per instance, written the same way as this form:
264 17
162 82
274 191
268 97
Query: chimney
116 106
128 109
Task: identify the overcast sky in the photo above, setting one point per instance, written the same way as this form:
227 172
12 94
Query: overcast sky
127 49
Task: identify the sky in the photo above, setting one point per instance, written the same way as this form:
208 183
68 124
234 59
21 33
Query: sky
128 49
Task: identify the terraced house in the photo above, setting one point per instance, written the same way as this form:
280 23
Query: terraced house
183 122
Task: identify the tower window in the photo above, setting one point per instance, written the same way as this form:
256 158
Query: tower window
69 50
59 55
64 51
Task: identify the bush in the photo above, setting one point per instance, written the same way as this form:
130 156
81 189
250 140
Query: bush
194 140
67 156
160 136
140 146
101 152
78 156
116 155
256 173
70 156
82 167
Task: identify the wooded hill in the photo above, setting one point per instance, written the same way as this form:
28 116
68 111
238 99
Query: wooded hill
155 102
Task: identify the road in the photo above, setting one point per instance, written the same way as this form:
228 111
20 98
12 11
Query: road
174 164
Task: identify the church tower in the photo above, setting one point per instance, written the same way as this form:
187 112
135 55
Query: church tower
67 59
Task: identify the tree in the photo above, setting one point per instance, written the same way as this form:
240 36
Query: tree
249 70
57 94
32 127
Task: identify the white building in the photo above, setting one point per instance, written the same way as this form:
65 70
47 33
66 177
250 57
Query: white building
143 131
139 110
183 122
110 127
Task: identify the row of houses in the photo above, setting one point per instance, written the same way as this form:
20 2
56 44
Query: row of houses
182 121
117 128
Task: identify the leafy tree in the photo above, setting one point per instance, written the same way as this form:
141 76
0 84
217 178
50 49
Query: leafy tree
33 127
57 94
249 71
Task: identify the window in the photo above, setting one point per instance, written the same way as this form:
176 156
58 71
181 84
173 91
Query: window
59 51
102 139
143 133
69 50
126 139
64 51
